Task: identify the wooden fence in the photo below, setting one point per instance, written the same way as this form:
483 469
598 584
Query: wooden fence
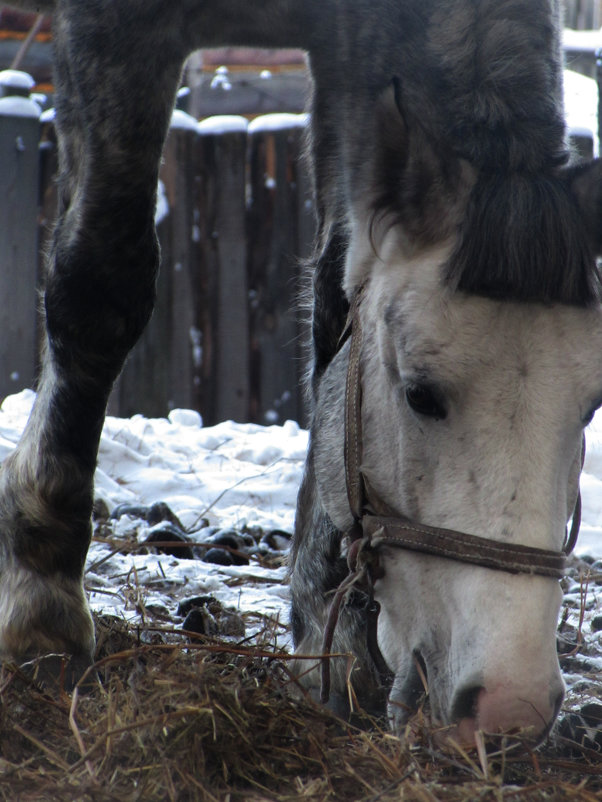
235 219
19 181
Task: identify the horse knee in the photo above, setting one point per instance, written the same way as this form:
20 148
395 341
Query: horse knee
99 295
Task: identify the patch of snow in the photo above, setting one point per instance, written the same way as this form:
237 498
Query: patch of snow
590 534
16 79
40 98
223 124
180 119
581 105
162 209
185 417
196 339
19 107
278 122
221 80
581 41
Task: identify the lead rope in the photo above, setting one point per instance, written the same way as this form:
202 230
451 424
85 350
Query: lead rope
362 562
573 534
357 558
358 570
356 491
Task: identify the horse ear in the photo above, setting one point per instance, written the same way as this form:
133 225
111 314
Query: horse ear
585 182
382 173
416 180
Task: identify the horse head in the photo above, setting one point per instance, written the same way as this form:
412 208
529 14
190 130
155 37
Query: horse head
480 367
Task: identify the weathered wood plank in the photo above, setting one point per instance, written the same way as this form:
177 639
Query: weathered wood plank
19 181
274 247
221 229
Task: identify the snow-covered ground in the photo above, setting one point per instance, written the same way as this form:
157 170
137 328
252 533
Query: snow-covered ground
581 105
231 475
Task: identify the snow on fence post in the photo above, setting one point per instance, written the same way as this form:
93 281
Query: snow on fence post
277 238
221 231
19 186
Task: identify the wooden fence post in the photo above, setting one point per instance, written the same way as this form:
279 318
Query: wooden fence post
19 171
224 302
278 236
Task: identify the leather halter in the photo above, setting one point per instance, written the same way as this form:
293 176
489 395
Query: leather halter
370 531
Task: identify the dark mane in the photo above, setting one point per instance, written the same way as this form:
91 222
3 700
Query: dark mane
523 238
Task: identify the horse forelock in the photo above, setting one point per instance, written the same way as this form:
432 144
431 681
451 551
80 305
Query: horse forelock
523 239
518 236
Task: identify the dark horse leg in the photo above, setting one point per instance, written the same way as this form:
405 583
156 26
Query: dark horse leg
99 295
118 65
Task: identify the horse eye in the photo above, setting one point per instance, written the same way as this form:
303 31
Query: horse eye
425 401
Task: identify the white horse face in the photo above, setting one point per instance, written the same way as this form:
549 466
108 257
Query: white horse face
473 413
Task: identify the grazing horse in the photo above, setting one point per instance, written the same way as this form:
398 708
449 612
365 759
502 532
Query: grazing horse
453 226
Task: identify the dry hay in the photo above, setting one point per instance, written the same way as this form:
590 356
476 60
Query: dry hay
174 720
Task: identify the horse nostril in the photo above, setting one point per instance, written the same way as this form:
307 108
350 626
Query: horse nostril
505 709
465 703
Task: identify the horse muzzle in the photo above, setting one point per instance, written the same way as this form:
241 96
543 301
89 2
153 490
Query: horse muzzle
506 709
